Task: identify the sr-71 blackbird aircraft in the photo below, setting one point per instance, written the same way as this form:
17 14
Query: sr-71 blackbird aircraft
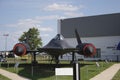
57 47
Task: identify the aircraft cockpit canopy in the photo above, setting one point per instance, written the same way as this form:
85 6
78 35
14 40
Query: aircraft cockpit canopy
59 37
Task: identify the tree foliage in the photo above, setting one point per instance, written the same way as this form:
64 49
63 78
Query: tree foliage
31 37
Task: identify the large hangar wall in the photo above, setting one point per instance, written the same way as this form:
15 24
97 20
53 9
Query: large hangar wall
107 46
102 30
91 26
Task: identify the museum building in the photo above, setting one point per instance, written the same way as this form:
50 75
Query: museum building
101 30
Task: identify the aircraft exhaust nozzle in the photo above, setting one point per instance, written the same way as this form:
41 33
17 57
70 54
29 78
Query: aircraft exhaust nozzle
20 49
86 49
89 50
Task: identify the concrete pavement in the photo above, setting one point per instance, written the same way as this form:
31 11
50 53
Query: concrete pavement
11 75
107 74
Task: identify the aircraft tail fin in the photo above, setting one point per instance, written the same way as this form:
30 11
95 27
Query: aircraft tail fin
77 37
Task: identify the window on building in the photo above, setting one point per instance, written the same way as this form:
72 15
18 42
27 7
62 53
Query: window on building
98 53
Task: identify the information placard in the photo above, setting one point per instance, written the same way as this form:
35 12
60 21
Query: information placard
63 71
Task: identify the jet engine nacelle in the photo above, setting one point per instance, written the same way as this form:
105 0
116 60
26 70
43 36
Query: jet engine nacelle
20 49
86 49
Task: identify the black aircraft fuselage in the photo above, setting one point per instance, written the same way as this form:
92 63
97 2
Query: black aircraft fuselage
57 47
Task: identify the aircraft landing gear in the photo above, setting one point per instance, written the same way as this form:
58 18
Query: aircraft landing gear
73 58
34 61
57 60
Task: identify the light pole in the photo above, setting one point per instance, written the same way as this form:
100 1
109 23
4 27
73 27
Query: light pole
6 35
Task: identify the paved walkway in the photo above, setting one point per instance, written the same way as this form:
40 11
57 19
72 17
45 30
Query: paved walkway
11 75
107 74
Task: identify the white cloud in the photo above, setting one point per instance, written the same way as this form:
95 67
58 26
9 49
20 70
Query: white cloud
25 24
61 7
46 29
68 10
28 21
73 14
49 17
45 35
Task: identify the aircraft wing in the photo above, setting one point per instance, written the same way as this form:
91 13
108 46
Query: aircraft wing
57 50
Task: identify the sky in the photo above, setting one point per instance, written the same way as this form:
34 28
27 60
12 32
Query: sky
17 16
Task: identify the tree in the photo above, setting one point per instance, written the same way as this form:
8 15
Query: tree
31 37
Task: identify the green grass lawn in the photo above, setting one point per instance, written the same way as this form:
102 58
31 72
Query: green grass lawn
47 72
117 76
3 77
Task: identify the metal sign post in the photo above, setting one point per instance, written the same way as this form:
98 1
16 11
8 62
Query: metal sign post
76 71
